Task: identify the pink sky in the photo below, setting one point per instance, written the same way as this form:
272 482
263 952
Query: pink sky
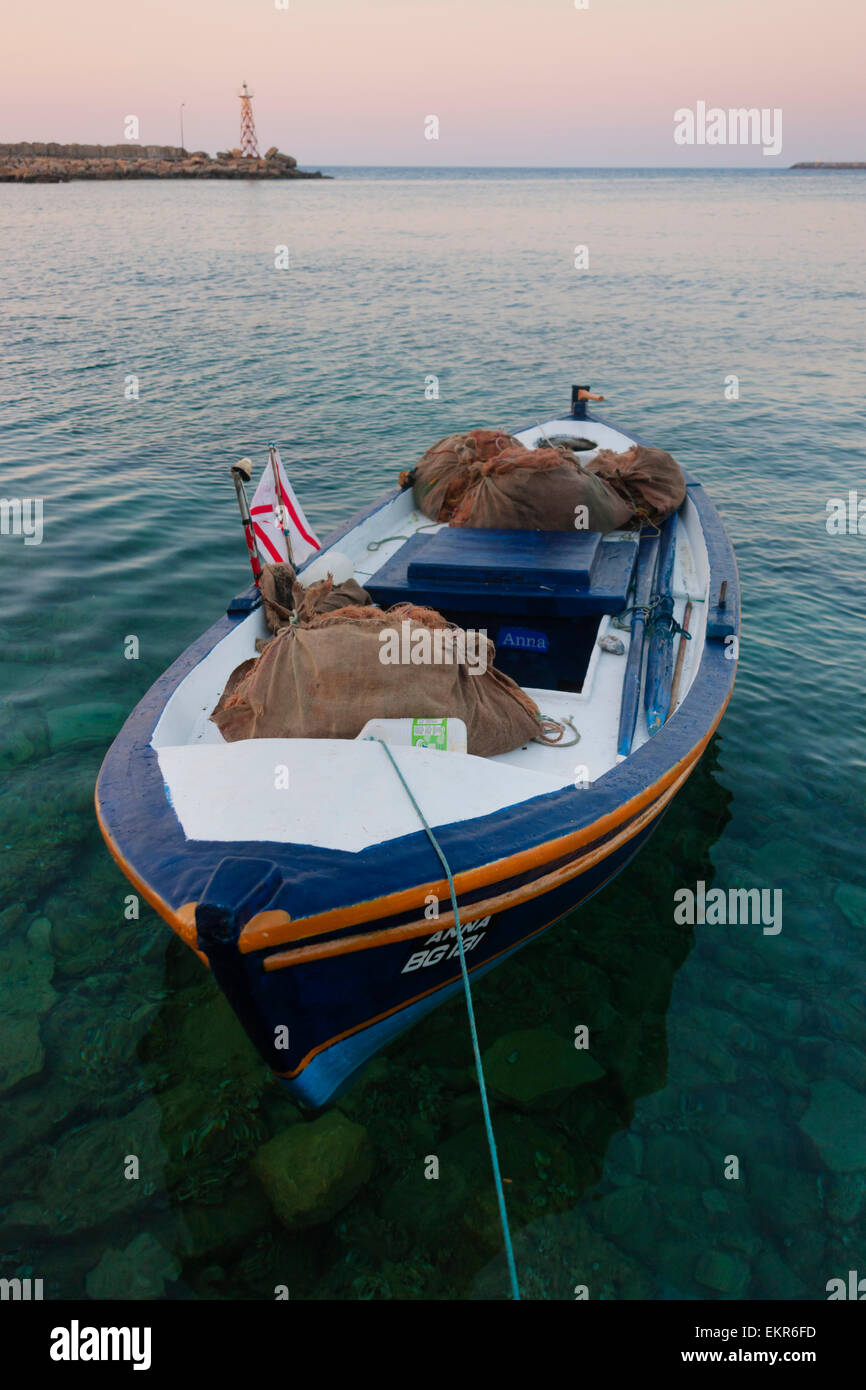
522 82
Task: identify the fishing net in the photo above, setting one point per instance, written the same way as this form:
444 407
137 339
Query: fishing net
539 490
649 480
441 477
326 677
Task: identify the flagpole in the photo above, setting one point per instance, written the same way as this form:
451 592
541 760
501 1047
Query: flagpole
241 473
283 519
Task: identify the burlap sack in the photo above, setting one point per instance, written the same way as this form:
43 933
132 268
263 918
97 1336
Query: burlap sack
284 596
539 490
328 597
326 679
649 480
275 587
442 476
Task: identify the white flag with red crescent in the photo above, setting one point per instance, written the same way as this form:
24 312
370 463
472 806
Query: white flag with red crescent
268 513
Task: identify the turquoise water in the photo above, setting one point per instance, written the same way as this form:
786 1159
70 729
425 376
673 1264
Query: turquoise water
713 1041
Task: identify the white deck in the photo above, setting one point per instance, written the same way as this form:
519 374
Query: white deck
344 794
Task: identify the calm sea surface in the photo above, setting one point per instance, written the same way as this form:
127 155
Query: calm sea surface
723 1153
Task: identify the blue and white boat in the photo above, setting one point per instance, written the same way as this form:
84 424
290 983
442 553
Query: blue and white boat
315 911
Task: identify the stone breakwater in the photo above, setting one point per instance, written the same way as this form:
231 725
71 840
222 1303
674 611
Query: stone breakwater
52 163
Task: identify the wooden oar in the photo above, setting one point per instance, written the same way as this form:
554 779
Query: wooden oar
647 560
660 657
681 656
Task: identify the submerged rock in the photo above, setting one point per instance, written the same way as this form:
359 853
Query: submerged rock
87 1184
39 934
835 1122
23 1221
783 1198
725 1273
311 1171
624 1158
845 1197
208 1129
26 995
774 1279
22 742
624 1211
458 1207
23 1055
805 1252
537 1070
232 1223
10 917
851 902
677 1159
715 1202
557 1254
139 1271
210 1032
83 726
29 1116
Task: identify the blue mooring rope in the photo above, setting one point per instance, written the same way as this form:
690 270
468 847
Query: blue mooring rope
491 1141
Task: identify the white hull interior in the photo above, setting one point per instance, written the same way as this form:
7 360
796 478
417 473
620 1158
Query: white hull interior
343 794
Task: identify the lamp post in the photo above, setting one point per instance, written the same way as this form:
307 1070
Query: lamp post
182 105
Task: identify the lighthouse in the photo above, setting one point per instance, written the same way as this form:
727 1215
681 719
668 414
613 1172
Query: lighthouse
249 140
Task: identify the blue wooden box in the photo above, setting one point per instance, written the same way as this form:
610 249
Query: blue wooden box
538 594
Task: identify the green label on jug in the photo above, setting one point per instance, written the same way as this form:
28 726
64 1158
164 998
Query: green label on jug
430 733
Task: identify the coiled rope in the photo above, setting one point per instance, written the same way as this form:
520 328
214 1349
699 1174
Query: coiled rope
383 540
491 1140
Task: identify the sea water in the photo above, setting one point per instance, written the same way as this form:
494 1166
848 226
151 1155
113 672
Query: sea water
716 1147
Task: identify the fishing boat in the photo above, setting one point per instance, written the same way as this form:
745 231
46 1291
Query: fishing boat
318 899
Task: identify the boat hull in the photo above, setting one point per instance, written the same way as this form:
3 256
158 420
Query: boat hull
327 954
383 991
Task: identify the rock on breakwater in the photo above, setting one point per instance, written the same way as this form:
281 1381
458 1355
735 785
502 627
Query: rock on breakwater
33 162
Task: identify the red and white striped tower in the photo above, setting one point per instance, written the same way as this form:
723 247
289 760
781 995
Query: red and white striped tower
249 140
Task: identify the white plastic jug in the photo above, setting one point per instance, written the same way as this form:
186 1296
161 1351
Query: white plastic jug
449 735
